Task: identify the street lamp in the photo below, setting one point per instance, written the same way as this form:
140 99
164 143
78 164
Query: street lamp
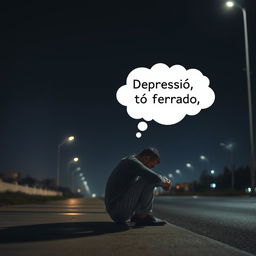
170 175
189 165
178 171
229 147
87 187
65 141
71 138
74 160
229 3
204 158
253 160
73 174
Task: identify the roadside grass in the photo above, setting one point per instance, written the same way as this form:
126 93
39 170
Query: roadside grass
11 198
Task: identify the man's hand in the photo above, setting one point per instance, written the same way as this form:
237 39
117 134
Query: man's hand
167 184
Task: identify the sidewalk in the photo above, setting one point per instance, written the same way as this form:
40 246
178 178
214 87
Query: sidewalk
82 227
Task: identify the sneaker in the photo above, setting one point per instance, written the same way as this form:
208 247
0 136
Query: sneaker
149 220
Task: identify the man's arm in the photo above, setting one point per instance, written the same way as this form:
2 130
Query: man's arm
145 172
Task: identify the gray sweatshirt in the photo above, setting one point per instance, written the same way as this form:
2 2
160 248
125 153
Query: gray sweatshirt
125 174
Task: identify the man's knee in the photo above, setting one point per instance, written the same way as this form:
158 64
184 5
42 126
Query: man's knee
146 183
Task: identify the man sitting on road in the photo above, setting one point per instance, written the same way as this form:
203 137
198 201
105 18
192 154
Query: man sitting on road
129 192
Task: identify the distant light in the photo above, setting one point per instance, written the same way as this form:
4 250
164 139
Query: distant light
85 182
212 171
229 3
230 146
78 168
78 190
71 138
177 171
83 178
170 175
80 174
248 190
202 157
213 185
75 159
177 187
188 165
93 195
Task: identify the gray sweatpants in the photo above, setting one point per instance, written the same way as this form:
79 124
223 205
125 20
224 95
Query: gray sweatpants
138 199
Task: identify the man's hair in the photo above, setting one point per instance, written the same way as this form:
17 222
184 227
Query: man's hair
153 153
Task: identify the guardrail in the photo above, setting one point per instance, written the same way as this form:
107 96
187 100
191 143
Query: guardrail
5 186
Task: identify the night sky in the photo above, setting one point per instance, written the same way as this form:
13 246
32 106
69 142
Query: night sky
61 65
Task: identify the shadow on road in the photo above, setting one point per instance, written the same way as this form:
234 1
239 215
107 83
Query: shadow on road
56 231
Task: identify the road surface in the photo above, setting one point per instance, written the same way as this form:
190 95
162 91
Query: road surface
231 220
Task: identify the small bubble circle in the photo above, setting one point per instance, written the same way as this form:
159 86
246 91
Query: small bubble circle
142 126
138 134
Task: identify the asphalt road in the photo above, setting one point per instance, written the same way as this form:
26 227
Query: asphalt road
231 220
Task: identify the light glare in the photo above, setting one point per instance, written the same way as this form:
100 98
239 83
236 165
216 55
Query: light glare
71 138
229 4
75 159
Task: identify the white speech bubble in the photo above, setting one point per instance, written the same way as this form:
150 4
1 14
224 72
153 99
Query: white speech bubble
165 95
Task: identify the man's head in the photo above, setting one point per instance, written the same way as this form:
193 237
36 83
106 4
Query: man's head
149 157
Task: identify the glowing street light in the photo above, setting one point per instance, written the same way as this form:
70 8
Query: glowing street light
206 160
248 76
230 147
213 185
170 175
66 140
75 159
202 157
212 171
229 4
71 138
87 187
189 165
178 171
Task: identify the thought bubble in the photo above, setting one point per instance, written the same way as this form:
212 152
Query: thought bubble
164 94
142 126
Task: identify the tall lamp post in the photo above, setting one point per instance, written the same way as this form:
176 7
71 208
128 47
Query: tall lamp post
66 140
253 160
206 160
230 147
74 160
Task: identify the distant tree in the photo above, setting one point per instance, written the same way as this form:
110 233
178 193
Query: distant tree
223 180
29 181
242 177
